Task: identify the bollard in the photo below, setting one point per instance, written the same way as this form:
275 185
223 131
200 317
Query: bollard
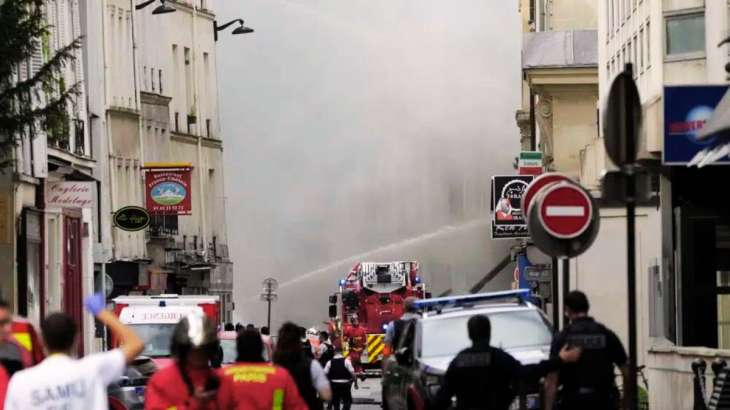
698 369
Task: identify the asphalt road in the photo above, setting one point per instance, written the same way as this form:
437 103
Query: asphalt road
367 397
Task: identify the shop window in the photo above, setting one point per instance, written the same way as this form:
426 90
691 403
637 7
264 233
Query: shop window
685 35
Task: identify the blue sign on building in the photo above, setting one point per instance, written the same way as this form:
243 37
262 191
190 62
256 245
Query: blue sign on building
686 109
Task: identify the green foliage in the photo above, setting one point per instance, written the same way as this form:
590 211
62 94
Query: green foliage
40 102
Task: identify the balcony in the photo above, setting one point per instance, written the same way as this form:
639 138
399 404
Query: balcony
162 226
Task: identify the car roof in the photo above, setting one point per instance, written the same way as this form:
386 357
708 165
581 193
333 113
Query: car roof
478 309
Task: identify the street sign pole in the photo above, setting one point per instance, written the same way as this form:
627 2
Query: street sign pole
556 295
268 316
566 283
630 152
621 130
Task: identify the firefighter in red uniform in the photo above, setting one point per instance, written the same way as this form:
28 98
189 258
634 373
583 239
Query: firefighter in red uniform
356 337
190 383
252 383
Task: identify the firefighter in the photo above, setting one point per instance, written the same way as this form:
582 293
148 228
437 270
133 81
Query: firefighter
252 383
357 343
13 355
190 383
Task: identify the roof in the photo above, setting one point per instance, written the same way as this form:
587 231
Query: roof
560 49
471 311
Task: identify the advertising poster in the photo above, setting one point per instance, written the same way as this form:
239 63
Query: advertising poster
168 191
686 109
508 220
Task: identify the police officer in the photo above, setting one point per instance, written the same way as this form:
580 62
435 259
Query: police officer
589 383
486 377
395 328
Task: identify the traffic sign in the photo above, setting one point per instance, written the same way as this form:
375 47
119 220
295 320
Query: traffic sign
563 219
537 184
622 119
565 210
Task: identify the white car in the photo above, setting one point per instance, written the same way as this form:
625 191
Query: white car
413 376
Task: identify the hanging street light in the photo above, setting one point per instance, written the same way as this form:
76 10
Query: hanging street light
161 9
241 29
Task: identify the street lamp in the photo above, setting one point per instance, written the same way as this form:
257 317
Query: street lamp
238 30
269 295
161 9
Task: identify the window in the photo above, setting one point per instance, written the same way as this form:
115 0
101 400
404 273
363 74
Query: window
641 50
685 34
177 122
152 78
207 127
636 56
648 44
629 55
160 80
144 78
609 15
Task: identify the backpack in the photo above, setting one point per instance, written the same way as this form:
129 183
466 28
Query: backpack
328 354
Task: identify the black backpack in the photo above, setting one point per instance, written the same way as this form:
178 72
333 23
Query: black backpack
328 354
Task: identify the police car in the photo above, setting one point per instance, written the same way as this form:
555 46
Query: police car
426 346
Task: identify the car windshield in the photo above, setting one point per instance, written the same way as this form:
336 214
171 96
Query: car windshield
156 337
510 330
229 351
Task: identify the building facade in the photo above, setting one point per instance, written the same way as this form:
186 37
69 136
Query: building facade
683 258
159 110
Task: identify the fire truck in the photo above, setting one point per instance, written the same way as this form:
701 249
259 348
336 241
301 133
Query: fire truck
373 292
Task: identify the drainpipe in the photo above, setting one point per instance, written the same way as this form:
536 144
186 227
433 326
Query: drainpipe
137 173
533 127
198 102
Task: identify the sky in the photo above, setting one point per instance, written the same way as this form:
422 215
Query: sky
364 131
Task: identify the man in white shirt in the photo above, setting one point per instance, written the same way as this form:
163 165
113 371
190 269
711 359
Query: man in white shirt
341 374
63 382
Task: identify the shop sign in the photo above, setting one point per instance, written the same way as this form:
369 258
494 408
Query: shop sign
508 220
686 110
69 194
131 218
168 191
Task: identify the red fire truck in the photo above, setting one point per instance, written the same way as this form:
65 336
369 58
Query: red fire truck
373 292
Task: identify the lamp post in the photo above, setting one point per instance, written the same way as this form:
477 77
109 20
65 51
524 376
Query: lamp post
161 9
241 29
269 295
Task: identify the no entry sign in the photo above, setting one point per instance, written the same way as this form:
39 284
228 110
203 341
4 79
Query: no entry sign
539 183
565 210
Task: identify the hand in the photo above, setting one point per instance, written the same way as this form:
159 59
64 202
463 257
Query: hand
95 303
570 354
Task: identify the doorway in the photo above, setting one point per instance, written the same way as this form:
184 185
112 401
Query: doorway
704 253
72 272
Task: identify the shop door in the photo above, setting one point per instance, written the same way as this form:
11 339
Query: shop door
72 285
703 246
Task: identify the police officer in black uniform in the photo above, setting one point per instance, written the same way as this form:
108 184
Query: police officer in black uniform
488 378
590 382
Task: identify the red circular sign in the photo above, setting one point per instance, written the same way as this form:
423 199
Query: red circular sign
565 210
537 184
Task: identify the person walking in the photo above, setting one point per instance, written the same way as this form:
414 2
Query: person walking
252 383
307 373
62 382
395 328
341 375
356 337
325 350
190 383
590 382
483 377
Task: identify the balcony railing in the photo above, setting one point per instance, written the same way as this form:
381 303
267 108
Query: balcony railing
163 225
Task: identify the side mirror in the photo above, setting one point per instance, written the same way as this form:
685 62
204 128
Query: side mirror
333 311
403 356
333 299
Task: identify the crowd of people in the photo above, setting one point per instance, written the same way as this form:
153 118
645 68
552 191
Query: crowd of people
291 374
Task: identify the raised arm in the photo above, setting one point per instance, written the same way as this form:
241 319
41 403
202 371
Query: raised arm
131 344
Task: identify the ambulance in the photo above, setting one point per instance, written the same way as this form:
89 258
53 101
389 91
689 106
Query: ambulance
154 318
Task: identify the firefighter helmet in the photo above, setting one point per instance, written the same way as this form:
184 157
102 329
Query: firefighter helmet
195 331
